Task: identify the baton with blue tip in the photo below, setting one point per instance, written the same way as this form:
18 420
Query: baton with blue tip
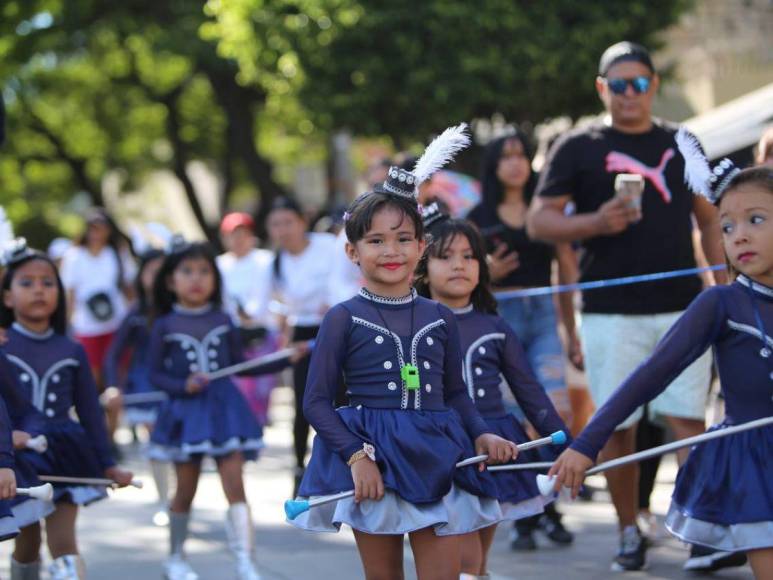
295 507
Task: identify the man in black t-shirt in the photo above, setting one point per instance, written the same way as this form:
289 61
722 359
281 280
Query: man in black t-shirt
621 325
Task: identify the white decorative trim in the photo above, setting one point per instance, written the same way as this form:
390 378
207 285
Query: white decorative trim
31 334
40 386
399 347
756 286
389 300
186 310
748 329
414 355
201 346
464 310
467 373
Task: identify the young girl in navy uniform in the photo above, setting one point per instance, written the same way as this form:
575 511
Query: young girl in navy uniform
192 337
55 376
453 271
26 422
8 527
723 497
133 338
409 419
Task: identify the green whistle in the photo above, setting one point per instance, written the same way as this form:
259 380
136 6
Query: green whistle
410 376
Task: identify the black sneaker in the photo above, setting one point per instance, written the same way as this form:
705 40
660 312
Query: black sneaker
704 559
522 538
550 523
633 551
522 542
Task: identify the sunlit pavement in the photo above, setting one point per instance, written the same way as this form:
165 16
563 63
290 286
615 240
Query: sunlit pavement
119 541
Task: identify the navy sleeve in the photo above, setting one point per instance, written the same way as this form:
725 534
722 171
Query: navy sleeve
90 411
158 375
687 340
558 176
118 346
454 389
237 356
325 372
6 440
526 389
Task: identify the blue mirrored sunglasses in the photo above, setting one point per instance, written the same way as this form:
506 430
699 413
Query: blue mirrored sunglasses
638 84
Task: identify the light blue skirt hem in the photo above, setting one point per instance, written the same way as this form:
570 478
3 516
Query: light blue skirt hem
32 511
732 538
458 512
187 451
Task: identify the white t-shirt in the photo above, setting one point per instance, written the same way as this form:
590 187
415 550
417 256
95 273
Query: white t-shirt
345 276
99 305
303 280
247 282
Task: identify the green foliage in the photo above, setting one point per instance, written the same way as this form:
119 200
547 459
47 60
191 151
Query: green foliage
405 69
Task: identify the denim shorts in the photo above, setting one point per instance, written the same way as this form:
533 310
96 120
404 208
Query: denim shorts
534 321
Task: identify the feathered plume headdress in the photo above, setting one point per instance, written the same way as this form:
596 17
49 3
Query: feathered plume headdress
698 175
11 249
441 151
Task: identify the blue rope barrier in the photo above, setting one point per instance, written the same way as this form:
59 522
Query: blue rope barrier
526 292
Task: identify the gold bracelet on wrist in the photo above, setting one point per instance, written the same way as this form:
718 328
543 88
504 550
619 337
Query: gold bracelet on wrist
367 450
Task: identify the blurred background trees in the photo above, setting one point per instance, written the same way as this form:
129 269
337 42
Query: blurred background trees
102 95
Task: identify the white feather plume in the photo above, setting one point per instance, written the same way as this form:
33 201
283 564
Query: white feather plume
697 173
6 229
441 151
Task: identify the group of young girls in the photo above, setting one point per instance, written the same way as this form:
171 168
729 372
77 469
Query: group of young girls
423 380
178 334
421 352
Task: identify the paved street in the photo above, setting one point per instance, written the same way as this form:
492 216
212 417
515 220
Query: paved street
120 542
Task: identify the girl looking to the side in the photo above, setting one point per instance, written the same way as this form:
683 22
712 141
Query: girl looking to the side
722 499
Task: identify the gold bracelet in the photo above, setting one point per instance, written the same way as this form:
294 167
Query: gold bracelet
367 450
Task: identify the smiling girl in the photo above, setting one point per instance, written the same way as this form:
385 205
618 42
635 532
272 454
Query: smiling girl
409 419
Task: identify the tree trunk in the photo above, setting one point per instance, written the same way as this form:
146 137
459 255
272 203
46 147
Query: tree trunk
238 103
179 165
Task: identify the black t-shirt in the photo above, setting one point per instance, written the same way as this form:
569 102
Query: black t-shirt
534 257
583 164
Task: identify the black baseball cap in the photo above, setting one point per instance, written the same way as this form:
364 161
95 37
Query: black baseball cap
622 52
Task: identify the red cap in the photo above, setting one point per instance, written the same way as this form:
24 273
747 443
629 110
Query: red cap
234 220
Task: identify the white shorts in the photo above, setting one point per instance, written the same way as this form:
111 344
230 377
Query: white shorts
615 344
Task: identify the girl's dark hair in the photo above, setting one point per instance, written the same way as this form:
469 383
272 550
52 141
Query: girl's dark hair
439 238
758 177
286 203
163 297
761 177
361 212
492 190
144 302
59 317
117 240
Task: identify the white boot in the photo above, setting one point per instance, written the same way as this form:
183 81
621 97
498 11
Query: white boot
176 567
466 576
68 567
240 540
160 471
21 571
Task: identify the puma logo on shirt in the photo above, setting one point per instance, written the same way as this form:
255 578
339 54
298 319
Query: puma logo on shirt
621 163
